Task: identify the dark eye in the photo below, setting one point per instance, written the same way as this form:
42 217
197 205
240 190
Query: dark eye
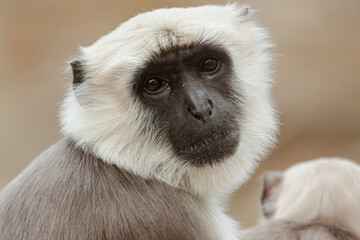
209 65
154 85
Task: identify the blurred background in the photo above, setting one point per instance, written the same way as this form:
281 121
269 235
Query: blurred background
317 74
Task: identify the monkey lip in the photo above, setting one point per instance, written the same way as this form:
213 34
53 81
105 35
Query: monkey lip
210 149
213 139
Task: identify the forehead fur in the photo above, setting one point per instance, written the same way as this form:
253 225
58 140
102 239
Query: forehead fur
136 39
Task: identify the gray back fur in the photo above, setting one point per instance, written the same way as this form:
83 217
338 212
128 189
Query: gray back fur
67 193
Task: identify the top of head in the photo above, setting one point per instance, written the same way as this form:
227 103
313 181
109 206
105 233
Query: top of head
324 190
179 94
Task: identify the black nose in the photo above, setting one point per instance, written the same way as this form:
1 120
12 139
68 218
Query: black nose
201 110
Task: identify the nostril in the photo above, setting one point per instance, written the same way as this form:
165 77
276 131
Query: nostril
190 111
196 115
211 107
211 103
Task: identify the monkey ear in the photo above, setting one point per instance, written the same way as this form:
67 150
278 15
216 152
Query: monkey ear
245 13
271 191
78 72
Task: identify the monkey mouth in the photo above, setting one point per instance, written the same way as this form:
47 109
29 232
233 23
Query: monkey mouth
206 141
211 149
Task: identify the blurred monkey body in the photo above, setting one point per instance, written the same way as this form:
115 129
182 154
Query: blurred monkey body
317 199
81 197
167 115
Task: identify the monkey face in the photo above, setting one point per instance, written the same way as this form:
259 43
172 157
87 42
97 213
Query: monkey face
189 90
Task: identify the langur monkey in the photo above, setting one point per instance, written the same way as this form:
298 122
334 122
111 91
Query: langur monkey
314 200
165 117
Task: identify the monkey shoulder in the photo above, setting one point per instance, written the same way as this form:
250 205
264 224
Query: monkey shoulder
67 193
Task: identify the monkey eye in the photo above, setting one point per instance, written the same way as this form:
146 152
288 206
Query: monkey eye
155 85
209 65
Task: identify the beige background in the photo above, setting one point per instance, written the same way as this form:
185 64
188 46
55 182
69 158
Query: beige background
317 65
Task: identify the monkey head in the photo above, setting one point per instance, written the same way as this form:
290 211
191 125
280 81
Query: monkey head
324 190
180 94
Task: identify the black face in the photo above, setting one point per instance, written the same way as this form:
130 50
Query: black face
189 91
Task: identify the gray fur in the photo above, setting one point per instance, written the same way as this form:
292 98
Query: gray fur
67 193
284 230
